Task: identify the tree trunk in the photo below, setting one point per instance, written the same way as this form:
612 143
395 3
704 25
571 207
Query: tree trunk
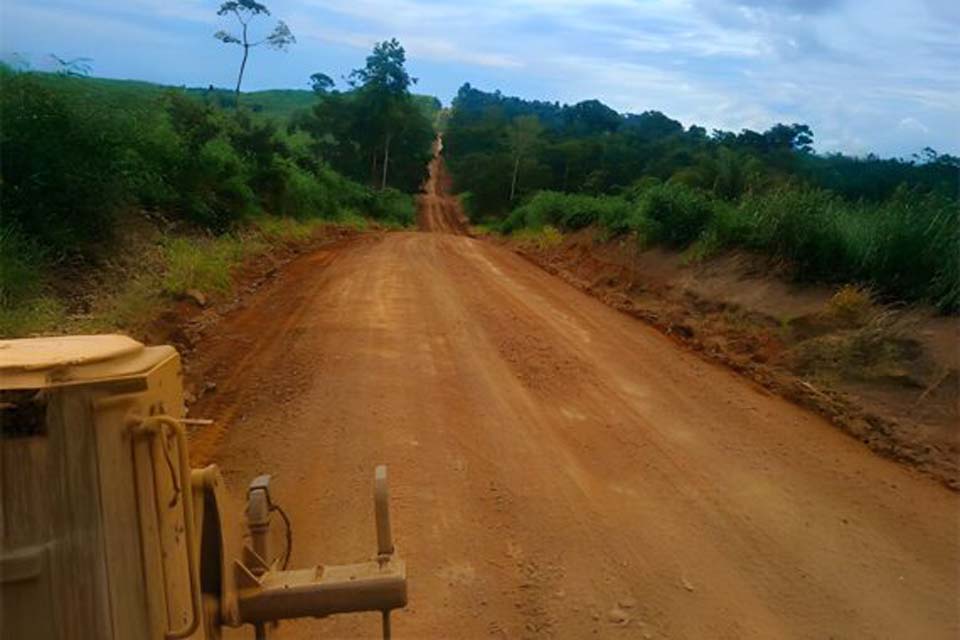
386 161
513 180
243 65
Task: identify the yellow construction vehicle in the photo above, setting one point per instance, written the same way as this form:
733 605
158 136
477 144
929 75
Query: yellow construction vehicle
107 533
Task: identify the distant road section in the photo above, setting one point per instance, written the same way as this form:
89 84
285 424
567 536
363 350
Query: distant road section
437 210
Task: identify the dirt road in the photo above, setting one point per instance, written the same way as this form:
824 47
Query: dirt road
559 469
435 210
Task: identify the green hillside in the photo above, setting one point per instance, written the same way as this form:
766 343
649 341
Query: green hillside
277 103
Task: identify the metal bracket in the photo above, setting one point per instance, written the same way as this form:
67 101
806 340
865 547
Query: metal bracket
266 594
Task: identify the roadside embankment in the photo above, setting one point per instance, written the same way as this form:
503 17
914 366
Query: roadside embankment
148 284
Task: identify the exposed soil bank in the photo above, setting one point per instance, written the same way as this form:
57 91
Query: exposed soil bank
889 378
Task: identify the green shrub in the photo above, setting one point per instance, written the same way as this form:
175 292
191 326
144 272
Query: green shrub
352 218
469 204
298 194
63 179
807 227
394 207
673 214
638 187
566 211
216 191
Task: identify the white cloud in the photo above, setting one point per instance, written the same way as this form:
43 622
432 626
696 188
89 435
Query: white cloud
912 124
417 46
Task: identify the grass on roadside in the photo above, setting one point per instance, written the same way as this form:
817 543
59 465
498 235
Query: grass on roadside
172 268
546 237
42 314
203 264
906 247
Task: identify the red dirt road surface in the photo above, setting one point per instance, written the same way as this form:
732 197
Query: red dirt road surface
558 469
436 211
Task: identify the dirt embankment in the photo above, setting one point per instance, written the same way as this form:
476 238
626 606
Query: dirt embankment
888 376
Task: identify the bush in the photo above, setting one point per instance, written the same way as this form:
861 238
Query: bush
568 212
393 207
673 214
63 178
298 193
469 204
851 305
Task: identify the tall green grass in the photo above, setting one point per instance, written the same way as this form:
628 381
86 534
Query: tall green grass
907 247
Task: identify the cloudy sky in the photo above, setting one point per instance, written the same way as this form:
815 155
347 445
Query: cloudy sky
867 75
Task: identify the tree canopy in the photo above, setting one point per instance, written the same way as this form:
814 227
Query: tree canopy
590 148
376 132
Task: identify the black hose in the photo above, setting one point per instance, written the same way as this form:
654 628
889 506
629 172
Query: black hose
286 522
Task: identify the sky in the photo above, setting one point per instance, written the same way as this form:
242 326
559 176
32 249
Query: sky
879 76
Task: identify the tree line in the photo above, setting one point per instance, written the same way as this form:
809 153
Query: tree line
891 224
500 148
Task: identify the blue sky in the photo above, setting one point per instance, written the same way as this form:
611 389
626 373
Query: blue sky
867 75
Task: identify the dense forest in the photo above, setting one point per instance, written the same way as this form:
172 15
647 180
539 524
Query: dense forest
888 223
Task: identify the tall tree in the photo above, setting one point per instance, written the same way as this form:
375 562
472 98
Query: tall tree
245 11
522 136
384 91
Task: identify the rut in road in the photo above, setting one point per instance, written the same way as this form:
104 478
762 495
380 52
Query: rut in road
559 469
